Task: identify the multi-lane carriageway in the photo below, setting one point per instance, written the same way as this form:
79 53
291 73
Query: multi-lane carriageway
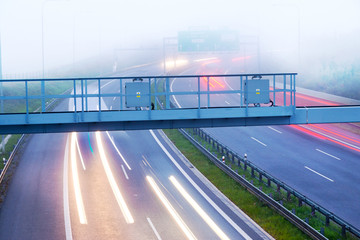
136 185
115 185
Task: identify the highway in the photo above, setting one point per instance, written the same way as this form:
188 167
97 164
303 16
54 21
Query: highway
320 161
115 185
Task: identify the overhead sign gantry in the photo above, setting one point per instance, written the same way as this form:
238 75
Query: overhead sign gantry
257 99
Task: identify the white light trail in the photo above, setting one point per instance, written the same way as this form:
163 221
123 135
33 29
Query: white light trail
78 196
78 147
119 198
170 208
117 150
198 209
205 59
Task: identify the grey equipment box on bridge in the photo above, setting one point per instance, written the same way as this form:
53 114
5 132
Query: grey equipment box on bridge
257 91
137 94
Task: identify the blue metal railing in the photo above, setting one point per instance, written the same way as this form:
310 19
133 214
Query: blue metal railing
88 93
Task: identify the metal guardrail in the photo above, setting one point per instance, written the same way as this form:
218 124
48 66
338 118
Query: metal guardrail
8 162
241 162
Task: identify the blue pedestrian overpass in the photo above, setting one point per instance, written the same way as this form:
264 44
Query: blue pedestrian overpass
158 102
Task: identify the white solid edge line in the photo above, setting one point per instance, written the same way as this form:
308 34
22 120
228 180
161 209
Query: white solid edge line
153 228
117 150
214 205
328 154
275 130
259 141
122 166
67 220
319 174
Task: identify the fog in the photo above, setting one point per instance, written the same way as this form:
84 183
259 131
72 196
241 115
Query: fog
313 38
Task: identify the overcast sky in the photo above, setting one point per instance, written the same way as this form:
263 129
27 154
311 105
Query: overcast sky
78 29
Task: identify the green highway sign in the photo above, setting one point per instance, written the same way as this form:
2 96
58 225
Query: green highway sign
208 41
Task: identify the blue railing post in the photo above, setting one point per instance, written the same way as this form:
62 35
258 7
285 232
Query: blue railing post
121 94
74 83
2 100
208 92
294 92
284 90
167 93
26 101
43 96
86 94
241 91
82 99
99 94
291 90
155 91
246 95
198 93
274 89
150 98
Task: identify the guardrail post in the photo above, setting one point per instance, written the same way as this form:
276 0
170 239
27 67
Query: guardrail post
327 221
260 177
288 195
268 182
343 230
312 210
300 202
252 172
